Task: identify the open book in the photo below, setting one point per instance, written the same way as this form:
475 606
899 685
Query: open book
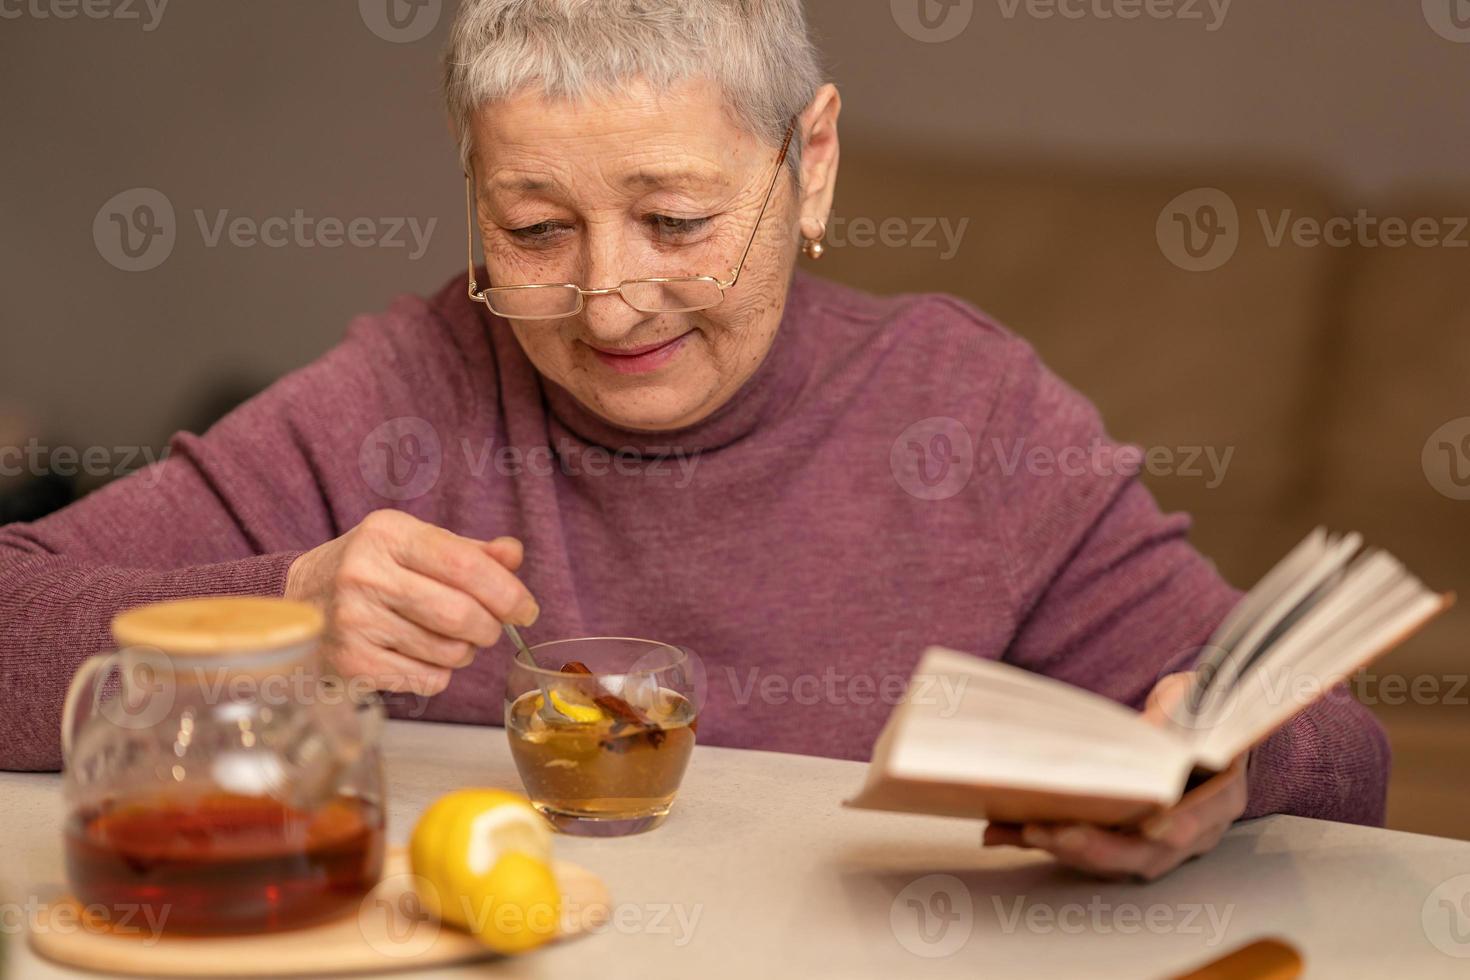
1014 746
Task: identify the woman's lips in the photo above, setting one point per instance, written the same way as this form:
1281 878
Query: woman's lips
641 360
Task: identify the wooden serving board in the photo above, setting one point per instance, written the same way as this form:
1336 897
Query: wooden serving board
384 935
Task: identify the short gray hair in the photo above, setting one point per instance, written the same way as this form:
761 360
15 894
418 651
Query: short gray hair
759 53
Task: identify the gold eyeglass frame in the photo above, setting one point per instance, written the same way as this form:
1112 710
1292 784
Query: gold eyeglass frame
479 295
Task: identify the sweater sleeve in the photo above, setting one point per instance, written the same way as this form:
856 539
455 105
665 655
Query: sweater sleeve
225 514
1110 596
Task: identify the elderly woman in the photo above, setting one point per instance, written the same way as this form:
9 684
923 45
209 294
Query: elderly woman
642 420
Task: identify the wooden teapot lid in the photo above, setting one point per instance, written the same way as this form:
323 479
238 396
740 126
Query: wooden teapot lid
234 624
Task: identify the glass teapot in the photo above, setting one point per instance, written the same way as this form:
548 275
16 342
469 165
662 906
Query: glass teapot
217 775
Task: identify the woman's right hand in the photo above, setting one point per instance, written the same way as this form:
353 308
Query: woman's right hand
407 602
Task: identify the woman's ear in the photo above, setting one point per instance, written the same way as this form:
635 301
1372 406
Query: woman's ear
819 161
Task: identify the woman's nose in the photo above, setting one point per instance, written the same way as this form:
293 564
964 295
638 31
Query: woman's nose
608 317
606 264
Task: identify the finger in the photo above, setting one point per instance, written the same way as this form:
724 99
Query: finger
389 670
1219 800
508 551
437 608
1166 696
394 632
398 672
1102 852
1177 828
464 565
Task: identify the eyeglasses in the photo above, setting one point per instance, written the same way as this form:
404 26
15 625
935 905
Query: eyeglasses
555 300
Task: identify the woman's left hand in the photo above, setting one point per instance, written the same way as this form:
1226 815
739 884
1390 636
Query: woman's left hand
1191 827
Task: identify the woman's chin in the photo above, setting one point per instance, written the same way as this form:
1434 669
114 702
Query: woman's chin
651 408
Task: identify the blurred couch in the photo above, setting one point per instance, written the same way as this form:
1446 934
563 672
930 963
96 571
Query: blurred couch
1325 370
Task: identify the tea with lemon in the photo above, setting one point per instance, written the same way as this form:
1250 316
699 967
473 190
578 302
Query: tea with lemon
586 761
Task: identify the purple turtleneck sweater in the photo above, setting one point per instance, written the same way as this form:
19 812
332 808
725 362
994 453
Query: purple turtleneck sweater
898 472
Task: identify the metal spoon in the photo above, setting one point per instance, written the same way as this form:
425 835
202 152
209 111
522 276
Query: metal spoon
549 712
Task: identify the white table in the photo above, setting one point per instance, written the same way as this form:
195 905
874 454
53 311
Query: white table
759 872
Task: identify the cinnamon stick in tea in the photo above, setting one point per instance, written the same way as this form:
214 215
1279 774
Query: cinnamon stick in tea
620 710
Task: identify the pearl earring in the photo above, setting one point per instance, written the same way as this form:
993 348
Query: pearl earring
813 247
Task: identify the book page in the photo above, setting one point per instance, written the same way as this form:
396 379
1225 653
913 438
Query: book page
1354 616
1010 733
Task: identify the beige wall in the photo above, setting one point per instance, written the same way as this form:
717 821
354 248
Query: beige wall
266 107
1364 90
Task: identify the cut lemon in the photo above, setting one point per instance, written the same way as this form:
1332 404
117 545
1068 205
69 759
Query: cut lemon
580 711
483 858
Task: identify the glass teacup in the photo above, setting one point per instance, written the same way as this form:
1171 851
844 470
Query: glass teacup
602 745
